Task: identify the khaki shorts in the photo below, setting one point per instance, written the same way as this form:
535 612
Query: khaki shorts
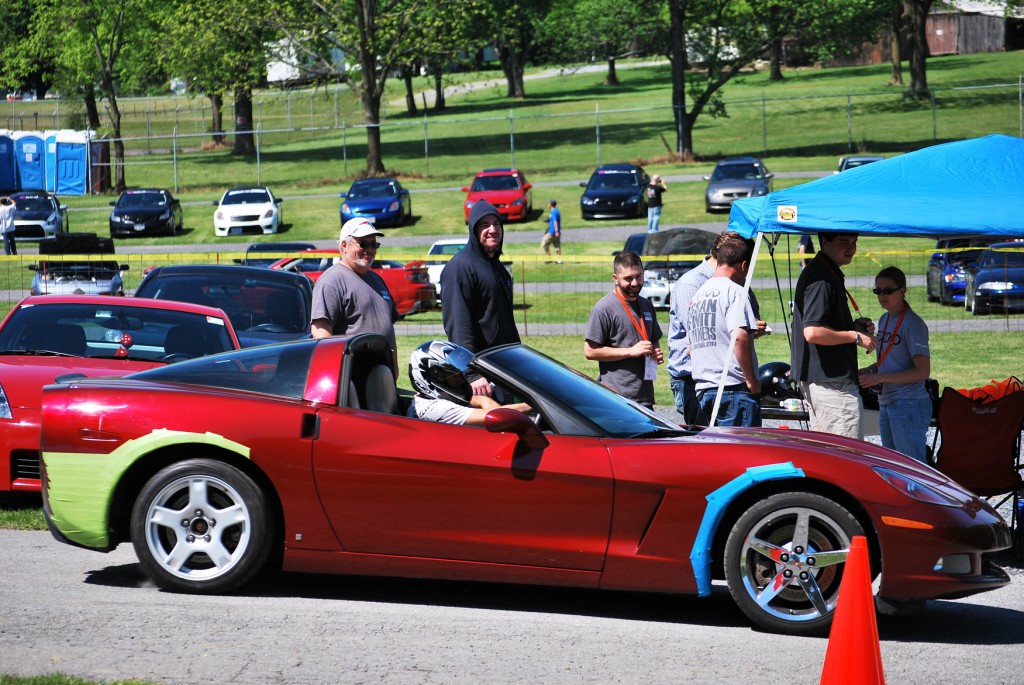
835 408
549 239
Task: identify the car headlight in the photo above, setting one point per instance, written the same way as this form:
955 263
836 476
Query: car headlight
759 191
469 204
5 405
393 207
995 285
345 209
269 214
116 218
218 215
166 215
588 201
632 200
915 489
517 202
52 220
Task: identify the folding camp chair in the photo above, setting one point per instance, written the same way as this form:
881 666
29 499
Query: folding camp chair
980 445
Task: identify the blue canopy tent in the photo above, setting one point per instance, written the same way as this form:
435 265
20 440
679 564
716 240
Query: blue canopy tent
970 187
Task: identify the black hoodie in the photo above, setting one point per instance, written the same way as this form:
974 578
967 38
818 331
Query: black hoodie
476 293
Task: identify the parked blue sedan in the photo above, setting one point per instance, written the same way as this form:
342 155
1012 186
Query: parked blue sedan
996 280
947 269
382 201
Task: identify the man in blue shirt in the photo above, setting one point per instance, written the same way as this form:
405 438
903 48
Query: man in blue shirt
553 236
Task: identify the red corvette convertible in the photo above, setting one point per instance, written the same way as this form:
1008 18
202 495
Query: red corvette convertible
57 336
589 490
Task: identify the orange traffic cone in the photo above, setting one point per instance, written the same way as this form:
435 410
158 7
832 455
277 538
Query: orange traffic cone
854 655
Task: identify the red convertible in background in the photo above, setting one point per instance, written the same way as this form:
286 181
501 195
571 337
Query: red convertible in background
409 284
60 336
312 463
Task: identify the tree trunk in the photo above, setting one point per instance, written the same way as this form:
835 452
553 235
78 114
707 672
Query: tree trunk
115 121
439 103
512 65
410 96
612 79
775 59
217 118
92 111
677 55
245 141
896 56
916 12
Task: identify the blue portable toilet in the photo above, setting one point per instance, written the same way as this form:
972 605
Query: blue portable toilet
28 154
72 162
50 157
8 174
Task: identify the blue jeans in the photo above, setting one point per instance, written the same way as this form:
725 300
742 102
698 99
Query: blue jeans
653 218
904 426
9 244
738 408
687 404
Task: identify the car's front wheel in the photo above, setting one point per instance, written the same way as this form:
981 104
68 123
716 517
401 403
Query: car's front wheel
784 561
977 309
201 526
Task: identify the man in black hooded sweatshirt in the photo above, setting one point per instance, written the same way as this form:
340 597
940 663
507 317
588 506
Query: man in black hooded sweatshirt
476 290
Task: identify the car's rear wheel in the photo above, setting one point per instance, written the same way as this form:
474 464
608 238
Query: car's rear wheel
784 561
201 526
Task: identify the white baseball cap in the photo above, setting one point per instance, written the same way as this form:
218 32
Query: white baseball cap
358 228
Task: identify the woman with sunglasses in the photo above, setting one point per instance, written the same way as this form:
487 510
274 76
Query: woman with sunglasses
903 366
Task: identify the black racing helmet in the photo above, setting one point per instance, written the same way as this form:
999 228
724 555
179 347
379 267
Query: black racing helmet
438 368
776 382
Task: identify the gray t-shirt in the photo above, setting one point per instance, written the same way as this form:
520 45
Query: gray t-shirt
911 340
610 326
442 411
354 304
718 308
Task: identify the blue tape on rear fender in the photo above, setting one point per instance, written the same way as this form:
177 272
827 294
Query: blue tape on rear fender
700 556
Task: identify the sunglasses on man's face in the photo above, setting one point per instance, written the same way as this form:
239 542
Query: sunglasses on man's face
367 245
884 291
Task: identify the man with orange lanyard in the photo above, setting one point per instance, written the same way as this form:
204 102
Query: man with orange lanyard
826 338
623 334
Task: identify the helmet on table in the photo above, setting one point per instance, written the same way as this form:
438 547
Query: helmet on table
776 382
437 370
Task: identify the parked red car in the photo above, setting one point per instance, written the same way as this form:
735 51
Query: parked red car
409 283
66 336
313 465
506 189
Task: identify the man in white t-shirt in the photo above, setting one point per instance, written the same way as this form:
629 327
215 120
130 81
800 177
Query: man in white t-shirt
7 207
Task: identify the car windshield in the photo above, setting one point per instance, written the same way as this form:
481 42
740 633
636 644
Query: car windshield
737 172
447 248
610 413
1004 258
606 180
103 330
142 200
360 191
246 196
495 183
279 370
34 203
250 303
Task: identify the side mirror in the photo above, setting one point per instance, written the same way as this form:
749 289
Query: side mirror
112 204
278 200
769 175
465 189
341 194
527 186
706 178
123 267
512 421
215 203
33 267
583 184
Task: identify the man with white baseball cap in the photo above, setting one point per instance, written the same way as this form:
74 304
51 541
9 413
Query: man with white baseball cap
349 298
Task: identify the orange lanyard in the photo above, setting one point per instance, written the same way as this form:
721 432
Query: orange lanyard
893 338
641 328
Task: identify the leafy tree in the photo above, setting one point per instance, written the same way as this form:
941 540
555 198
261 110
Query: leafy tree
512 26
583 30
723 36
97 43
221 47
358 42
